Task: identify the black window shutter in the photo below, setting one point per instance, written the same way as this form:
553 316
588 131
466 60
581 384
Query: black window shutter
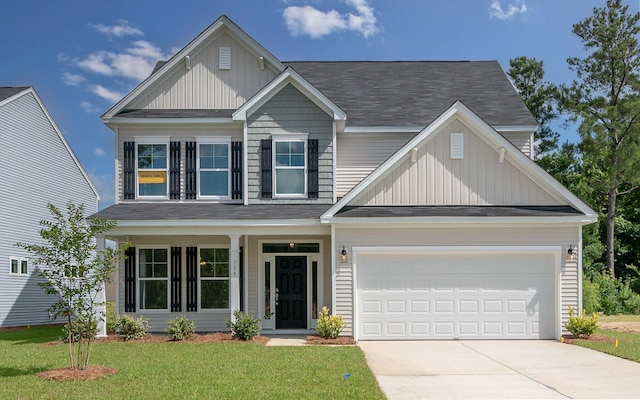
190 172
236 170
192 279
265 169
129 171
176 279
241 279
130 280
312 169
174 171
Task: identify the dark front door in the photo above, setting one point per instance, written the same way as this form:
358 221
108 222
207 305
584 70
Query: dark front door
291 292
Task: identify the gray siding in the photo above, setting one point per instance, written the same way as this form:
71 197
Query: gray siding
37 169
290 111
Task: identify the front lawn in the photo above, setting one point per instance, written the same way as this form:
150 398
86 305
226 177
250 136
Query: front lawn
226 370
626 332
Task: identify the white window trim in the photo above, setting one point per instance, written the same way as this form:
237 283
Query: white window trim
214 140
20 260
289 137
167 279
153 140
228 279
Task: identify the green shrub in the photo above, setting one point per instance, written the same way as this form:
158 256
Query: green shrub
616 297
245 327
180 328
329 326
581 326
590 295
130 327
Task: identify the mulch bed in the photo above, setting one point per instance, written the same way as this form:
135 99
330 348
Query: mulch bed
340 341
73 374
593 338
197 338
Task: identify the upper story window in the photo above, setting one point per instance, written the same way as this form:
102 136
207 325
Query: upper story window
152 162
290 166
19 266
214 178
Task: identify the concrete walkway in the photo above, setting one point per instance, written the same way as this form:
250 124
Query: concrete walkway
499 370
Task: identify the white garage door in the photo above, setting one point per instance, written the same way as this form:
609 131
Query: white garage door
455 296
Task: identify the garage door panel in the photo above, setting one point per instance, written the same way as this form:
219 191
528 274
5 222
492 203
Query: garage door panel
423 297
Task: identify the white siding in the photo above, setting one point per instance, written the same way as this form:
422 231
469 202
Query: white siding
360 153
37 169
466 236
207 86
436 179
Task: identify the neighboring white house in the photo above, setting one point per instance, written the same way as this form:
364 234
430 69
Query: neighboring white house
402 195
38 167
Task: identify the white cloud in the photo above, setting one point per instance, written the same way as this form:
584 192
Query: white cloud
105 93
310 21
496 10
99 152
70 79
88 107
122 29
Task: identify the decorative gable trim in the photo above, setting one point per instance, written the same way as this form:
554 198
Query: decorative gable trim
178 58
520 160
289 76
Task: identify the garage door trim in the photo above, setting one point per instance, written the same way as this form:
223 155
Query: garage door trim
556 251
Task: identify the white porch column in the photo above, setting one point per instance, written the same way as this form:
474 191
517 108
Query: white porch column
101 310
234 274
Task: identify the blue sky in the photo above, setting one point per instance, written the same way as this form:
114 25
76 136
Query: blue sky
82 56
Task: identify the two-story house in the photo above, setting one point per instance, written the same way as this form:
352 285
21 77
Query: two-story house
402 195
38 167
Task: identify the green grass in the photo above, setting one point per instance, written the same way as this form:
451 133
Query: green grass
628 344
618 318
186 370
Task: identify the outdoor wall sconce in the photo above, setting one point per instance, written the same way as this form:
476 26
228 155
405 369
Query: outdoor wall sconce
343 254
571 252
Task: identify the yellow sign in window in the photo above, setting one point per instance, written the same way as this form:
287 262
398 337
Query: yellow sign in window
152 176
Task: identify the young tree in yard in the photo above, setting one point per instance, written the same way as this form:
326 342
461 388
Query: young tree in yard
527 75
605 100
75 271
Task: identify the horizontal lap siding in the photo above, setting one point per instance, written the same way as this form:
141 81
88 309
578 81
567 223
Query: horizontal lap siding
469 236
477 179
37 169
520 140
291 112
205 86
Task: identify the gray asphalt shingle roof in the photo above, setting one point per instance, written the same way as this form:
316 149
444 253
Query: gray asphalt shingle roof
6 92
176 113
210 211
414 93
456 211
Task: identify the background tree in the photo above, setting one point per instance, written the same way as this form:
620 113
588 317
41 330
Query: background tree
527 75
75 271
605 101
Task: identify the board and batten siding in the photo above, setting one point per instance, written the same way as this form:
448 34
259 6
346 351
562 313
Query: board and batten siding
37 169
290 111
175 132
207 86
359 154
445 236
436 179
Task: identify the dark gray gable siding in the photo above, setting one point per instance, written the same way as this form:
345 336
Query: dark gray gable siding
290 111
414 93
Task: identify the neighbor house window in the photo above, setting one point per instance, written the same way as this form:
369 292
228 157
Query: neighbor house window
214 278
213 169
290 165
18 266
152 169
153 274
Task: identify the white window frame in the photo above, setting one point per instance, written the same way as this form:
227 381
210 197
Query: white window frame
200 279
289 137
225 140
21 262
139 279
153 140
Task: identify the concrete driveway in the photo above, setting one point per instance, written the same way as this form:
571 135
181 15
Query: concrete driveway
509 369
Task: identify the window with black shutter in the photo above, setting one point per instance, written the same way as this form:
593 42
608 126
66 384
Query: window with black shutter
192 279
236 170
176 279
190 171
174 171
312 169
130 280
